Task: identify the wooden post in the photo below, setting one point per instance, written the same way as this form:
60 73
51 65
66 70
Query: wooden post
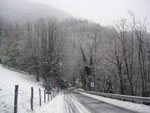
16 98
51 95
48 97
40 97
44 96
32 93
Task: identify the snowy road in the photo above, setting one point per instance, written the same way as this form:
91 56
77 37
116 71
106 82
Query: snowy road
67 101
91 105
69 105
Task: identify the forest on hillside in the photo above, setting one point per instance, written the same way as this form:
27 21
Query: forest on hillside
116 58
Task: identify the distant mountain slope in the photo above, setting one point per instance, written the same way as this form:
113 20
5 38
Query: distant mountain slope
20 10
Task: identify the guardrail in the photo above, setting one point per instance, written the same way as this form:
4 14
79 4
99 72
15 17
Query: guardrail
135 99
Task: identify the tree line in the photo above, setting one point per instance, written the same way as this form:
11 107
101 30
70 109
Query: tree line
115 58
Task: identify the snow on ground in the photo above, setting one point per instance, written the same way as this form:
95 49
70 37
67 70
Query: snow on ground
54 106
8 80
140 108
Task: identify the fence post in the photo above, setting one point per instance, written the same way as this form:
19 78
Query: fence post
40 97
16 98
51 95
48 97
44 96
32 98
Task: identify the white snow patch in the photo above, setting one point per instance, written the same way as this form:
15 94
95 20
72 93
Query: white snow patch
54 106
8 80
140 108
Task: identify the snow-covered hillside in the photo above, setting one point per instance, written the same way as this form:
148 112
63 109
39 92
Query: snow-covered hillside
8 80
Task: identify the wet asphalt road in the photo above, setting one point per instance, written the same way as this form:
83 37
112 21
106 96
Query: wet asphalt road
92 105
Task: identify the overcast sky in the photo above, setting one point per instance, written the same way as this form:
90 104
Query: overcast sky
102 11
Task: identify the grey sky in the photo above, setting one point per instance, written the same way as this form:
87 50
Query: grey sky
102 11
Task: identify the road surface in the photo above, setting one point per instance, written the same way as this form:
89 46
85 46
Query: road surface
90 104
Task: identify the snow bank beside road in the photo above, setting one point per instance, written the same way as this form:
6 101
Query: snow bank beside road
55 106
127 105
